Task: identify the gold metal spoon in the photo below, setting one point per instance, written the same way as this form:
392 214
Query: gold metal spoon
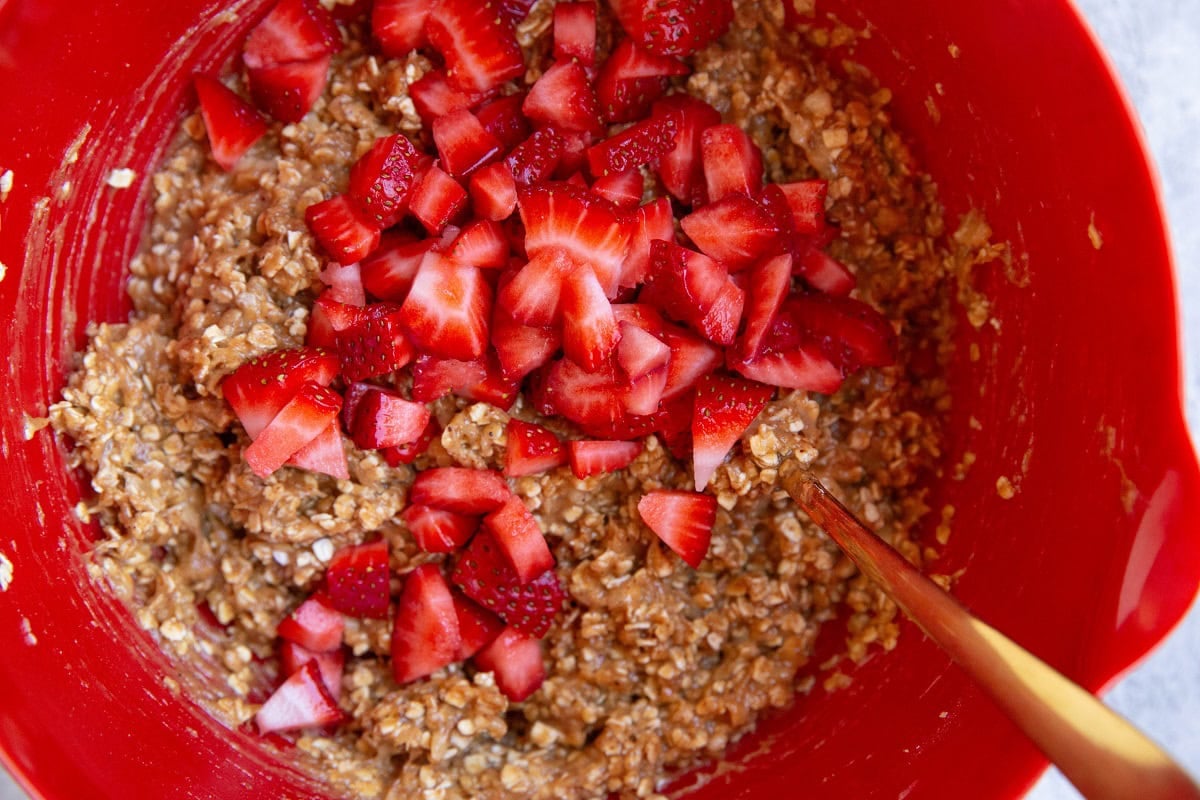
1100 752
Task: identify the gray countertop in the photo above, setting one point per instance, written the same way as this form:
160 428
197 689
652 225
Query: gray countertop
1155 46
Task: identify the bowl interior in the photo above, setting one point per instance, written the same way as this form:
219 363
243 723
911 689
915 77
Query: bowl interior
1074 399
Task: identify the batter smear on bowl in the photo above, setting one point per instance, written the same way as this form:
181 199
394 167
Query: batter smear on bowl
440 447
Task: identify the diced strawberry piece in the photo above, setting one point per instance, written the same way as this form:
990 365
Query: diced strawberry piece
731 161
357 580
806 199
462 143
496 388
233 125
425 637
288 91
388 273
734 230
477 626
589 399
519 536
353 395
385 419
574 155
293 657
638 145
681 167
302 701
516 661
535 159
589 329
674 27
640 351
644 393
485 575
399 25
493 192
434 97
597 457
531 449
725 408
622 189
520 348
515 11
563 97
852 333
436 200
534 295
691 358
655 220
503 119
339 315
481 243
375 344
436 530
434 377
791 357
257 390
641 315
559 216
478 45
446 312
380 181
825 273
632 78
319 331
408 453
324 454
683 520
769 284
314 625
341 230
693 288
299 422
344 284
293 30
575 33
460 489
673 424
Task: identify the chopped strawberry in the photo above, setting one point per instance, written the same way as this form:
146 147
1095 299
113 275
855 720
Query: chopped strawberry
485 575
399 25
257 390
691 358
385 419
292 657
493 192
345 284
644 393
293 30
314 625
324 454
641 315
597 457
434 377
233 125
436 530
674 27
791 357
575 33
434 97
446 312
534 295
825 273
590 331
302 701
681 168
388 273
436 200
353 395
357 580
655 220
531 449
632 78
592 400
300 421
462 143
520 538
574 155
622 189
479 46
425 637
806 199
638 145
477 626
382 178
683 520
585 227
693 288
374 344
639 351
732 162
339 315
769 284
319 331
341 230
408 453
288 91
520 349
563 97
734 230
725 408
503 119
852 333
515 11
460 489
535 159
516 661
481 243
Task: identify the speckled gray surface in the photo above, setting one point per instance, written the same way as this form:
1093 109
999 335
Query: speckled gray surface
1155 46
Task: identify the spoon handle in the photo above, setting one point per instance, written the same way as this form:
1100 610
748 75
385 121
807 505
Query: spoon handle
1100 752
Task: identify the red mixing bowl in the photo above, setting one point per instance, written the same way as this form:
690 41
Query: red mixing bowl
1077 395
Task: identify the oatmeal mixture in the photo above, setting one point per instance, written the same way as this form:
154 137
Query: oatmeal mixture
653 666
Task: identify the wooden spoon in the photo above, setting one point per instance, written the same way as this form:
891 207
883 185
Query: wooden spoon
1099 751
